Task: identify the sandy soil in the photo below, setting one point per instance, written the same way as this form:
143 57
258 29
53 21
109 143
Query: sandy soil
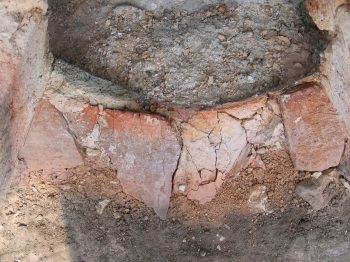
60 217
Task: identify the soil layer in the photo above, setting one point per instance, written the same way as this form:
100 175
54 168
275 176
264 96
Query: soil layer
83 215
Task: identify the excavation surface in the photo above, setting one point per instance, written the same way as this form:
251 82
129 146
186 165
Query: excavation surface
82 215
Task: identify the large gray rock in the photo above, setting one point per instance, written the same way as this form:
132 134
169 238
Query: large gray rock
191 51
314 191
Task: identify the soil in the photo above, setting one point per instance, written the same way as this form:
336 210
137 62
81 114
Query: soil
59 217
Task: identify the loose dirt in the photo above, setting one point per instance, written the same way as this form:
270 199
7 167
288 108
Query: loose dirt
83 215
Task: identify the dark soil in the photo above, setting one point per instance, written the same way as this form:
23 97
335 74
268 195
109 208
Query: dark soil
54 218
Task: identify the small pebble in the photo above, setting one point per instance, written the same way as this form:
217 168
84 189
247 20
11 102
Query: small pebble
227 226
182 188
221 37
261 151
117 215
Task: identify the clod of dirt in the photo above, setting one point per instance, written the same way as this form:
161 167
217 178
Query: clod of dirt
258 199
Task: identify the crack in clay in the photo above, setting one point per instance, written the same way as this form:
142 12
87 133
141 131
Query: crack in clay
69 130
177 167
242 151
199 130
198 171
218 146
93 137
21 25
232 116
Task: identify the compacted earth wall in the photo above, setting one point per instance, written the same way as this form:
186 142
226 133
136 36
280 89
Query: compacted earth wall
23 67
176 97
333 17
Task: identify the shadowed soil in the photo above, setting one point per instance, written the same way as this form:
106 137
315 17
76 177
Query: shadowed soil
59 217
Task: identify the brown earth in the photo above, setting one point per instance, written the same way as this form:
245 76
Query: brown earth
58 218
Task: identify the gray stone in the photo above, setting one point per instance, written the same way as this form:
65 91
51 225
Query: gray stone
69 82
186 52
314 191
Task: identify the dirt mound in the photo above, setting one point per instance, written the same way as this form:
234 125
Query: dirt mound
83 215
